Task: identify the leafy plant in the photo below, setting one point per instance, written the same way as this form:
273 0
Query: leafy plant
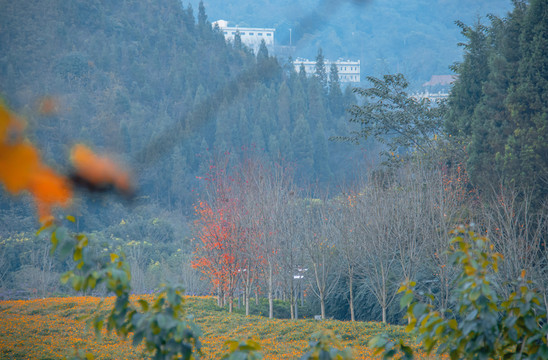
160 324
325 347
243 350
484 325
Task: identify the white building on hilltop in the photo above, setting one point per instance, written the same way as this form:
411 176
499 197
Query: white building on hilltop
349 71
251 37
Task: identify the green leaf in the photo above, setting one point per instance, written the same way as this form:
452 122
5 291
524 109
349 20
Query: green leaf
54 243
406 300
144 304
77 256
138 337
66 277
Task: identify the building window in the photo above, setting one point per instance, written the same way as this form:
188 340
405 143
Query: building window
260 34
226 32
242 33
250 34
269 34
234 33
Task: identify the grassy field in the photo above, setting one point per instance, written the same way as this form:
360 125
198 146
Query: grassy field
53 328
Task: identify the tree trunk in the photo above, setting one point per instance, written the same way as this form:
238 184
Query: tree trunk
350 287
256 296
322 306
270 298
384 314
291 309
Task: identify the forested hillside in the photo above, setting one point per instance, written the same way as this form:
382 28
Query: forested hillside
153 83
416 38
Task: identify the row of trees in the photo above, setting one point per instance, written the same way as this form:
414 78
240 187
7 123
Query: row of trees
256 230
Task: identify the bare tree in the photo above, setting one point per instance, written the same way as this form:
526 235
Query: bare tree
379 269
318 237
518 233
346 221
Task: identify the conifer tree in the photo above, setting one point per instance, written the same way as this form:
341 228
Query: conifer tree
321 71
262 54
321 155
335 98
467 89
526 158
202 17
303 150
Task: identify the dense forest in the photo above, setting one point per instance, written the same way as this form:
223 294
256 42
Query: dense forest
416 38
240 191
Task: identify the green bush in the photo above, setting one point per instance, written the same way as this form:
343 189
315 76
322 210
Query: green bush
484 326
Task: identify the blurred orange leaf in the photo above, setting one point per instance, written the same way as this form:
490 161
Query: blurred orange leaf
21 169
99 170
49 189
18 163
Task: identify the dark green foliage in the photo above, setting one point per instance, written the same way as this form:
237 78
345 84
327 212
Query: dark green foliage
467 90
144 78
498 106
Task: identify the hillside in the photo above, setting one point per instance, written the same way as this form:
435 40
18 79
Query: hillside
51 328
153 83
416 38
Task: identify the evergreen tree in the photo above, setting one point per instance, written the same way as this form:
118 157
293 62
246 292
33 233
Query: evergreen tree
284 106
335 98
303 149
467 89
302 73
286 149
321 71
238 40
273 147
262 54
299 100
316 108
526 158
321 155
202 17
491 120
257 138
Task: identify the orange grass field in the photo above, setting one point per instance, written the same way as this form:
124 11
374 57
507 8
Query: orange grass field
53 328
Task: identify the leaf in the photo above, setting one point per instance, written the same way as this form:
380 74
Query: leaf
113 257
144 304
99 170
138 337
54 242
18 164
406 300
71 218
